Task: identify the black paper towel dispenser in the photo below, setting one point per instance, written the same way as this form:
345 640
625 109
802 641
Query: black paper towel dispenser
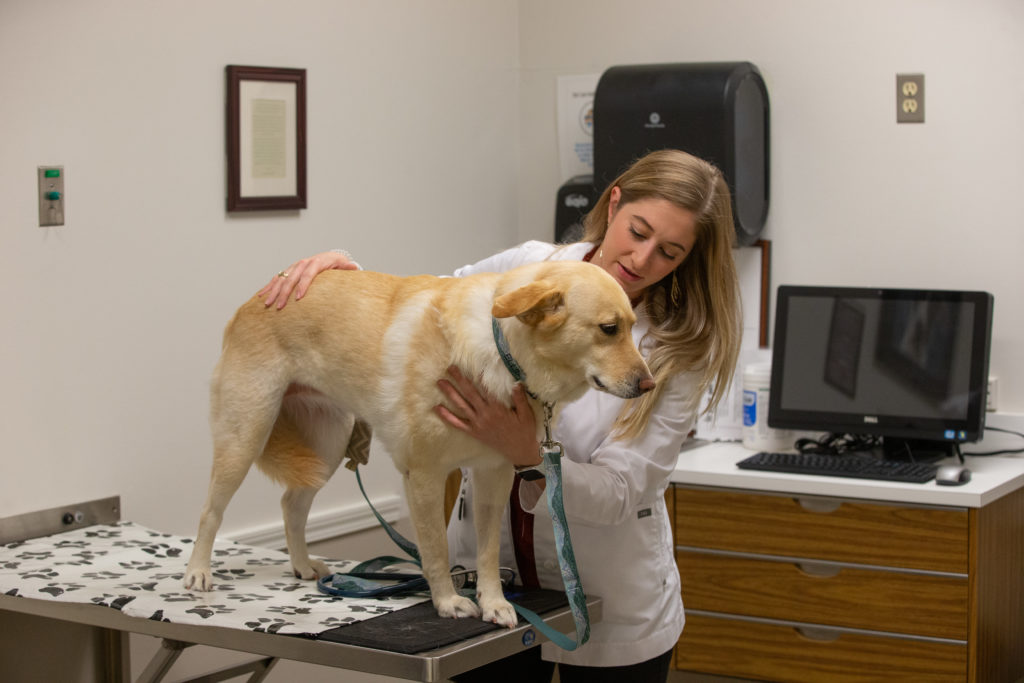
717 111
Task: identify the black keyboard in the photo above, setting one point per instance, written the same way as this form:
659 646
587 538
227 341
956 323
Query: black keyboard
849 465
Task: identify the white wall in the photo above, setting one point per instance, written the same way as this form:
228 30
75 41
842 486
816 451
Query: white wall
855 198
432 142
112 323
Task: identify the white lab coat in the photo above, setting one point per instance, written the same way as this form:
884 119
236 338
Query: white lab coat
614 503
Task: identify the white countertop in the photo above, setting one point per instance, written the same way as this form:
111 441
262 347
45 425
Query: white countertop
714 464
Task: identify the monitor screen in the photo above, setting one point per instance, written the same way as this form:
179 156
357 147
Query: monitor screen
897 363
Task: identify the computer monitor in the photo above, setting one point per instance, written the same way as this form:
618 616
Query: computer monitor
907 365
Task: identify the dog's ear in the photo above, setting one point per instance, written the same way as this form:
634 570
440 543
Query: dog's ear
539 304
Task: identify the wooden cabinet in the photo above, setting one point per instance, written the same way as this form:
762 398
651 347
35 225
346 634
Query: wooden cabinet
786 588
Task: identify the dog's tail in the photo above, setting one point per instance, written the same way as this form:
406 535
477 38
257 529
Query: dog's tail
289 461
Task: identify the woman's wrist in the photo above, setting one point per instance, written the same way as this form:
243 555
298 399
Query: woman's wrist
528 456
532 467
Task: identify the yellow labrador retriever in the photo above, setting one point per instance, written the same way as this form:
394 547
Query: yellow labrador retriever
290 384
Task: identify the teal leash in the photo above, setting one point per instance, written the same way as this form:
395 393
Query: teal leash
551 451
407 546
364 580
551 454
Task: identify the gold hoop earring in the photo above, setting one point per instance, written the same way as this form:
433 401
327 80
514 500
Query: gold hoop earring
676 293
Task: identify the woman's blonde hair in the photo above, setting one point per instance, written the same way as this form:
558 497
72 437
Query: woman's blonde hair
699 328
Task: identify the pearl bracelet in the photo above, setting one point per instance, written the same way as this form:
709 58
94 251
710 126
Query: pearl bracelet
347 255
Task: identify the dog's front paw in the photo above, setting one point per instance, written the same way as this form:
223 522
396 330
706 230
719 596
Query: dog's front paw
499 612
456 607
315 569
198 579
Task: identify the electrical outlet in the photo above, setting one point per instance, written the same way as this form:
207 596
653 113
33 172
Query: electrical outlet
909 98
992 394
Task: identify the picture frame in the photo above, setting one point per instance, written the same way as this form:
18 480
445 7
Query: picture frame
765 246
266 138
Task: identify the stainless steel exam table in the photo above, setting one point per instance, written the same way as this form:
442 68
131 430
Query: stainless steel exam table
114 626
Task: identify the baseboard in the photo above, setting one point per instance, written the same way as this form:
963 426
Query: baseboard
325 525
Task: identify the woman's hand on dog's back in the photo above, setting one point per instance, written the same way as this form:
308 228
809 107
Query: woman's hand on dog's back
298 276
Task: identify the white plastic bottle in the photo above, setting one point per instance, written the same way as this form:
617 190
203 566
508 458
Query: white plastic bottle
757 435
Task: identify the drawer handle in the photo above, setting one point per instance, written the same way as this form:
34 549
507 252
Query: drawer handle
825 635
821 505
818 569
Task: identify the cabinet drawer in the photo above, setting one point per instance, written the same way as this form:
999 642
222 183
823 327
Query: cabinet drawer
851 597
926 538
761 651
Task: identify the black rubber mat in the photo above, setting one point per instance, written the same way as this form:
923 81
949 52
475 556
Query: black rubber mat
418 628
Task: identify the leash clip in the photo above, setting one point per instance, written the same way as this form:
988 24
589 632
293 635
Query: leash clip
552 449
549 447
549 411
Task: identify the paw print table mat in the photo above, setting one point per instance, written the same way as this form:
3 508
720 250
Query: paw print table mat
139 572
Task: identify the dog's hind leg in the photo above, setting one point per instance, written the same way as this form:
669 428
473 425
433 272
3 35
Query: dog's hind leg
295 504
426 504
325 431
232 459
240 428
491 487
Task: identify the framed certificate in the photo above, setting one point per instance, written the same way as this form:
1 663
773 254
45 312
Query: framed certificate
266 138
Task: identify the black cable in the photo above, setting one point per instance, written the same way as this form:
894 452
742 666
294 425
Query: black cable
835 443
1002 452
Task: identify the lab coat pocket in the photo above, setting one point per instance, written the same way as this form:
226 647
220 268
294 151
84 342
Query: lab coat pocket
642 564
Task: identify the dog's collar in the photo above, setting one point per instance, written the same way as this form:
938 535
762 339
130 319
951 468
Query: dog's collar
506 357
517 373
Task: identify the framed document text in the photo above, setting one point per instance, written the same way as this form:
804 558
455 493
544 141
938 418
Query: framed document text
266 138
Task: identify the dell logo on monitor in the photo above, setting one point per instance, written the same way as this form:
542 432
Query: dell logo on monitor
871 419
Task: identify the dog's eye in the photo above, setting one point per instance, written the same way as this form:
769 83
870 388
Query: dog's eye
610 328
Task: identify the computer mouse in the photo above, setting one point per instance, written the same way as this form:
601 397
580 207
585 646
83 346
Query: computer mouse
952 475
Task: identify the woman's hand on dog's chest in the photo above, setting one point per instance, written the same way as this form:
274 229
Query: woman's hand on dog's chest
511 431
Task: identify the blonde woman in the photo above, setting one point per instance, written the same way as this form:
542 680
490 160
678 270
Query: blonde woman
664 230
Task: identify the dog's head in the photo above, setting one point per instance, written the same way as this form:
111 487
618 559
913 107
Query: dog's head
576 328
